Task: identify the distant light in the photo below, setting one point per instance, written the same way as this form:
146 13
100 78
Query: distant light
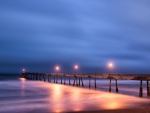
23 70
76 66
57 68
110 65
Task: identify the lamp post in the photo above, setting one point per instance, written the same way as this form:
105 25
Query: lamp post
23 71
76 67
57 68
76 79
110 65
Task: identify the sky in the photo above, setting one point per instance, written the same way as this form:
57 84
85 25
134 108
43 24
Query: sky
37 35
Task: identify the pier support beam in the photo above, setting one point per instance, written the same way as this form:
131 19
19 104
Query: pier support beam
36 76
141 89
74 81
79 80
50 78
64 79
95 81
44 77
116 86
40 77
89 82
148 89
61 79
110 85
82 82
69 81
54 78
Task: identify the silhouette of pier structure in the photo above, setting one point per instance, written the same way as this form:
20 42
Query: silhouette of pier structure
78 79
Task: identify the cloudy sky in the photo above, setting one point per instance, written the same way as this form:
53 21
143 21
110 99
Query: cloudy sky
39 34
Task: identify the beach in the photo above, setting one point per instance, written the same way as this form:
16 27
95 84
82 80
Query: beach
27 96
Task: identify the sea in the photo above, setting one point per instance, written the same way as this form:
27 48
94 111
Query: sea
18 95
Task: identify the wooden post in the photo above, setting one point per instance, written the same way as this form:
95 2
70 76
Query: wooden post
116 86
141 89
54 78
64 79
95 81
40 77
89 82
82 82
79 81
69 81
37 76
31 76
50 78
34 76
148 88
61 79
74 81
44 78
110 85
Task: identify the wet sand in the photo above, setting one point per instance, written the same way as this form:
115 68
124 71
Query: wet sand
133 110
25 96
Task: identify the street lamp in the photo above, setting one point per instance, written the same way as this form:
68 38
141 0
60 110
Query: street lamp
76 67
57 68
110 65
23 70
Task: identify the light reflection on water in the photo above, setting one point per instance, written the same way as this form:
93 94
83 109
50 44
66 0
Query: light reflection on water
48 97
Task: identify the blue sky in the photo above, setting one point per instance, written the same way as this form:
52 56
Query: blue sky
39 34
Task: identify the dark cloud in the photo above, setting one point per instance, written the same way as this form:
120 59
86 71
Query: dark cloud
37 35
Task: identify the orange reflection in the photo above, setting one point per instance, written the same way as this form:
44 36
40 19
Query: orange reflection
22 79
62 98
57 98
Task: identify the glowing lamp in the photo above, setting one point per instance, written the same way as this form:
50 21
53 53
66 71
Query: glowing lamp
76 66
57 68
23 70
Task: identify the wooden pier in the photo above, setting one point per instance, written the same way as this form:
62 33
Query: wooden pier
78 81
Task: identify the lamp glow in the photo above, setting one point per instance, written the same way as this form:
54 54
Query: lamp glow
57 68
76 67
110 66
23 70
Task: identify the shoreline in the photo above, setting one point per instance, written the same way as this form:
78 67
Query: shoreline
141 109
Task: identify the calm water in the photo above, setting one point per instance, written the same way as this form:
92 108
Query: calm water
25 96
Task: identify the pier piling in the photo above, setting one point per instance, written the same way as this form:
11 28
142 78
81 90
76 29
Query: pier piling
61 79
116 86
141 89
74 81
89 82
148 88
82 82
110 85
69 81
95 81
64 79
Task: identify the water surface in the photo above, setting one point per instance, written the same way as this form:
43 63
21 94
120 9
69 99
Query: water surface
28 96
